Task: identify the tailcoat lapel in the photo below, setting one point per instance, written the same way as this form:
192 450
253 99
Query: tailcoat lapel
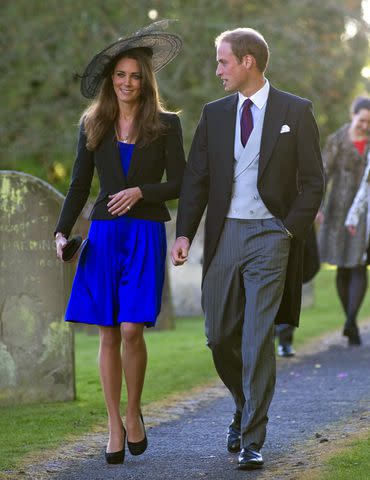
227 136
276 110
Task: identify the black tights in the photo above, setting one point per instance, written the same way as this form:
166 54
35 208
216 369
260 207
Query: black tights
351 286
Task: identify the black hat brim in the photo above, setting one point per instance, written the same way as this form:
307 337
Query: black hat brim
164 48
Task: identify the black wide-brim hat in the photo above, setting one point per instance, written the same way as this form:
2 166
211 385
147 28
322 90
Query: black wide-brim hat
162 46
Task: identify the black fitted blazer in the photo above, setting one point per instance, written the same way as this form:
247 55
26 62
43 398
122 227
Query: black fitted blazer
148 165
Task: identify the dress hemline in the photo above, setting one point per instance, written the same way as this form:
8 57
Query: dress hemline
84 322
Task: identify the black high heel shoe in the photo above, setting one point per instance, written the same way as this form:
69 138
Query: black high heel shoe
352 332
137 448
117 457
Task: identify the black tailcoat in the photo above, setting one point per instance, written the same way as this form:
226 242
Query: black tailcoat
290 179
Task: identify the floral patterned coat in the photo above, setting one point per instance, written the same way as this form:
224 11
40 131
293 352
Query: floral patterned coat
344 169
361 201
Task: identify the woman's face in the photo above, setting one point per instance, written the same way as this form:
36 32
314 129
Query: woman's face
361 122
126 80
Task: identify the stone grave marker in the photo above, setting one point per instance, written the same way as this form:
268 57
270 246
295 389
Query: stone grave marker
36 345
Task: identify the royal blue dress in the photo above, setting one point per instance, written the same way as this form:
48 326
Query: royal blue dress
120 272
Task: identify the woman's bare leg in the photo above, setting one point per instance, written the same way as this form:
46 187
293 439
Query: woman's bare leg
134 360
110 368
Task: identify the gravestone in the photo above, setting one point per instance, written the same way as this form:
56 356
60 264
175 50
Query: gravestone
36 345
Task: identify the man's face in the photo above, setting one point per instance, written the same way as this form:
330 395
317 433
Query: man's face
232 72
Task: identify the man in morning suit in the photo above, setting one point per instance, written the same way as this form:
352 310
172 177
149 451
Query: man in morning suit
255 164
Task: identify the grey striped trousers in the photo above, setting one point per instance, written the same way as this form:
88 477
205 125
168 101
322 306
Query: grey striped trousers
242 291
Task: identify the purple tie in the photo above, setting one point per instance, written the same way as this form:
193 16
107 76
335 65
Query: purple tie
246 121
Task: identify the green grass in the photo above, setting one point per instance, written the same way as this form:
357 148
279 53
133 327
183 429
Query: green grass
354 463
178 361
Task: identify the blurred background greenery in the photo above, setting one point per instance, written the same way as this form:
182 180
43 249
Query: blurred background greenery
318 50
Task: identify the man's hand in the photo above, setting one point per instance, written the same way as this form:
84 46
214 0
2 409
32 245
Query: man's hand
180 250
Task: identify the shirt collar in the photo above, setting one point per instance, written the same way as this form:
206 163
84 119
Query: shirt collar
259 98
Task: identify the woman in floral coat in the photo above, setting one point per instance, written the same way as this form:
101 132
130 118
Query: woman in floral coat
344 159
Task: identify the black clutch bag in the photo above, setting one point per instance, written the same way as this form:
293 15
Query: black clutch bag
71 248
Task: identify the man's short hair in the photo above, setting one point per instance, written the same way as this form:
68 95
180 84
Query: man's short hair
246 41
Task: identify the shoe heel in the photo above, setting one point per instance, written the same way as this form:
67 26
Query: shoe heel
138 448
114 458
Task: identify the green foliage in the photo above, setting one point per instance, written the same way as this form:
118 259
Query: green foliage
46 45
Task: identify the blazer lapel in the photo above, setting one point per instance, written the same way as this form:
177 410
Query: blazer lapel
274 119
134 162
112 157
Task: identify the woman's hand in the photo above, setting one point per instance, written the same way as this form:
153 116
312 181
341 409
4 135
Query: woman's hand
352 230
121 202
60 243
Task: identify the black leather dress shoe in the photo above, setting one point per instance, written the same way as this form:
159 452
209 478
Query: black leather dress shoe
250 459
286 350
233 434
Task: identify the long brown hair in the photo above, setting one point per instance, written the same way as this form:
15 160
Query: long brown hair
104 110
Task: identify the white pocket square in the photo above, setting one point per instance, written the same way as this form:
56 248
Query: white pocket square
285 129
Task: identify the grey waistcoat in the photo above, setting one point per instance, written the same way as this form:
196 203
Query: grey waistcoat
245 201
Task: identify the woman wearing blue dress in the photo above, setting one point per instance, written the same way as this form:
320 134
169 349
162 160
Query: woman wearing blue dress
131 141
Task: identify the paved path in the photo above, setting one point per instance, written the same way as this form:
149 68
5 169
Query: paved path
319 398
